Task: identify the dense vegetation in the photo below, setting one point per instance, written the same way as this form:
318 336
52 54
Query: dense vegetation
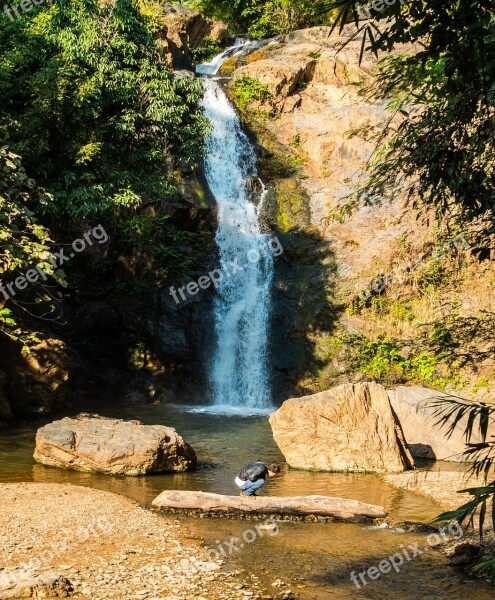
25 243
92 107
265 18
101 123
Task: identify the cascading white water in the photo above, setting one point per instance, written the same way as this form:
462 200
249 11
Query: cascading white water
239 371
212 67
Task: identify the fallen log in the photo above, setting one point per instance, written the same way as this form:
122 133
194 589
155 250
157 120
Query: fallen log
326 506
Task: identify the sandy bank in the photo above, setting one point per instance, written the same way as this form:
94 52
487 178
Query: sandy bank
107 546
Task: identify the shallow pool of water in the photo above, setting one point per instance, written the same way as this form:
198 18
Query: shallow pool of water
314 559
223 444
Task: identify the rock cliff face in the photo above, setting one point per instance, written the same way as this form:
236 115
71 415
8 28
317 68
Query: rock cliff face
316 98
311 102
185 29
33 383
424 435
307 158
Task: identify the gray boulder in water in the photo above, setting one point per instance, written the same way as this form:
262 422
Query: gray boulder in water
112 446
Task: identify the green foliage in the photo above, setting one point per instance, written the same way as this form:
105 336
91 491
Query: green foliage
103 125
154 236
401 311
430 275
25 243
247 90
380 360
266 18
89 102
383 361
477 417
315 55
296 141
465 340
440 154
207 51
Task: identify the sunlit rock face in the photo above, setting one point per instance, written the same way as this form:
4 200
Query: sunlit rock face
426 438
350 428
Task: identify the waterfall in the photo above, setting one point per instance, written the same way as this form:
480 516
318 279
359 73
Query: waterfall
239 369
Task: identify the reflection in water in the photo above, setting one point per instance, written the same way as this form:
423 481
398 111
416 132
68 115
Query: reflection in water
317 556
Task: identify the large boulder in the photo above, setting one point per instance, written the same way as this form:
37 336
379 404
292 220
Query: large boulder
425 437
282 72
112 446
348 428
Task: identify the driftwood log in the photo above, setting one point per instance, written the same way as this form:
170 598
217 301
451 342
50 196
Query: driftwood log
327 506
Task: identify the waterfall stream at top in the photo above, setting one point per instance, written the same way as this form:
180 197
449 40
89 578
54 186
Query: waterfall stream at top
239 365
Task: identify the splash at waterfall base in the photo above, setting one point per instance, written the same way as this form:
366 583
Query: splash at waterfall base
227 269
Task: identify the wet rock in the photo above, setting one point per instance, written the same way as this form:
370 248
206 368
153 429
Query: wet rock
112 446
347 428
229 66
465 554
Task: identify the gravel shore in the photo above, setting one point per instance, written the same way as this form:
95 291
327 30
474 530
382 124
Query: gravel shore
107 547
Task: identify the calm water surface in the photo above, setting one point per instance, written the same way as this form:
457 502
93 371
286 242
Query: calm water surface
315 560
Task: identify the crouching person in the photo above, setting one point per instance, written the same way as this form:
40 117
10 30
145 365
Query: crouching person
252 477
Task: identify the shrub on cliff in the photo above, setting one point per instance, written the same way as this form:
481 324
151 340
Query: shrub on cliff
266 18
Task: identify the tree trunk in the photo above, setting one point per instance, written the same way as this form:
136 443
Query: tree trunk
339 508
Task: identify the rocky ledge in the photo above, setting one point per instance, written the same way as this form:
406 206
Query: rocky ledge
348 428
363 428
